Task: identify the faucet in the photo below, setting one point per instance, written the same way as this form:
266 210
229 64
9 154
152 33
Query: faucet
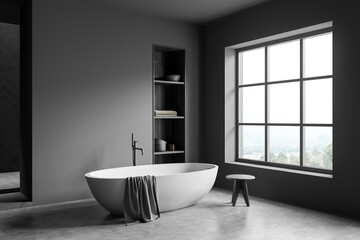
134 148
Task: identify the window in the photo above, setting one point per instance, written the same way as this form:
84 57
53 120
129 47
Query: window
284 102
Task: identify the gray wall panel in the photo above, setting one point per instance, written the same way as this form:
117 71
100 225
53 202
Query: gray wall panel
92 88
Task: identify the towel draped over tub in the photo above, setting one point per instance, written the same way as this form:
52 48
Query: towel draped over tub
140 200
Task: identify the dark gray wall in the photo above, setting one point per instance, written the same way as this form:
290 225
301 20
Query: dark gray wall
92 88
340 194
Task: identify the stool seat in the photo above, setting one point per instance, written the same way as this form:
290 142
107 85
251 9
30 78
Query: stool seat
240 177
240 183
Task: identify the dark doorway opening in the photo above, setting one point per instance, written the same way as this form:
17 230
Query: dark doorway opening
15 100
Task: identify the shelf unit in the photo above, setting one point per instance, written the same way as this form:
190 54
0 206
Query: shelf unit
169 95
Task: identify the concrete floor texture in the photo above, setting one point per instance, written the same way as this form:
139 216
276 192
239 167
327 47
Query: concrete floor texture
213 217
13 200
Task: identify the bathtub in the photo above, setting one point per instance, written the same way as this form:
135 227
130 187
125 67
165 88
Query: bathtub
179 185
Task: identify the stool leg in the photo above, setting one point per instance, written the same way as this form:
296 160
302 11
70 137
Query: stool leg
244 191
236 191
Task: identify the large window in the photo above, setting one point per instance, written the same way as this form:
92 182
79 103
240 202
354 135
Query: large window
285 102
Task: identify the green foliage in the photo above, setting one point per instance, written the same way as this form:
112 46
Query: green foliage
282 158
328 157
294 160
272 157
319 159
316 158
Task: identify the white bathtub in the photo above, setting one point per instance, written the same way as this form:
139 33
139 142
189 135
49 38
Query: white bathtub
178 184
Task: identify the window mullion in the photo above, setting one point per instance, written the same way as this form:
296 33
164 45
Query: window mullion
266 106
237 120
301 105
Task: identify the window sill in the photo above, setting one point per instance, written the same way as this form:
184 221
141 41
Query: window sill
323 175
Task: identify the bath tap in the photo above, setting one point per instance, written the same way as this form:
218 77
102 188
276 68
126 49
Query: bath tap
134 148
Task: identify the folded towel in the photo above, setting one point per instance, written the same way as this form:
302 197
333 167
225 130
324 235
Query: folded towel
165 112
166 115
140 200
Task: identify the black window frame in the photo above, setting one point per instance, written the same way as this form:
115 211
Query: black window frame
266 124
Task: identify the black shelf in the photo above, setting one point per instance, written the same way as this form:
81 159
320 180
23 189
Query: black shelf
168 82
170 152
168 117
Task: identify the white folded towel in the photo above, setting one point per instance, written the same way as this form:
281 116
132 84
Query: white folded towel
165 112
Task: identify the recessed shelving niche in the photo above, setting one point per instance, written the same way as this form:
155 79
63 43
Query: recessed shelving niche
169 95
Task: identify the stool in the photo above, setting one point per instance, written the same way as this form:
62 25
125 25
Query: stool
240 182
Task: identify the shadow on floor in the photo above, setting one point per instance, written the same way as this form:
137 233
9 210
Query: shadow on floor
79 215
13 200
13 197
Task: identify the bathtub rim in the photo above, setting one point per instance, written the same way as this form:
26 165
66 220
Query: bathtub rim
212 166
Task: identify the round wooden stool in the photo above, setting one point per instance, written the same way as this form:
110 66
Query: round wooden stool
240 182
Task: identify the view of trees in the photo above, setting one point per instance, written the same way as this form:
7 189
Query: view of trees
315 158
319 159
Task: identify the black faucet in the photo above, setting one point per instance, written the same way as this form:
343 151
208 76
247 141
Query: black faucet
134 148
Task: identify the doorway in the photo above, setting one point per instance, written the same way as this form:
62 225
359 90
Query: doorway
10 137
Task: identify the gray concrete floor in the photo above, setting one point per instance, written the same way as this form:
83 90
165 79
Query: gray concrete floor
212 218
13 201
9 180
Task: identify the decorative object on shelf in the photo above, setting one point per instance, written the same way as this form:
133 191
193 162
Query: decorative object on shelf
159 71
165 113
172 147
160 145
173 77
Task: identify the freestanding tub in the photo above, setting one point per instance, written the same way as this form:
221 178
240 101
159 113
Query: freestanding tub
178 184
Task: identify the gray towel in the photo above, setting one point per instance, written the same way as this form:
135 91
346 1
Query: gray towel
140 200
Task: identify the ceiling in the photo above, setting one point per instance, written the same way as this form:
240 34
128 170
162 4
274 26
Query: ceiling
192 11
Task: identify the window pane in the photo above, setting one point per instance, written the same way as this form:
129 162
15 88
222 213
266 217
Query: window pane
318 147
284 145
252 142
252 66
284 61
318 101
318 55
252 104
284 103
